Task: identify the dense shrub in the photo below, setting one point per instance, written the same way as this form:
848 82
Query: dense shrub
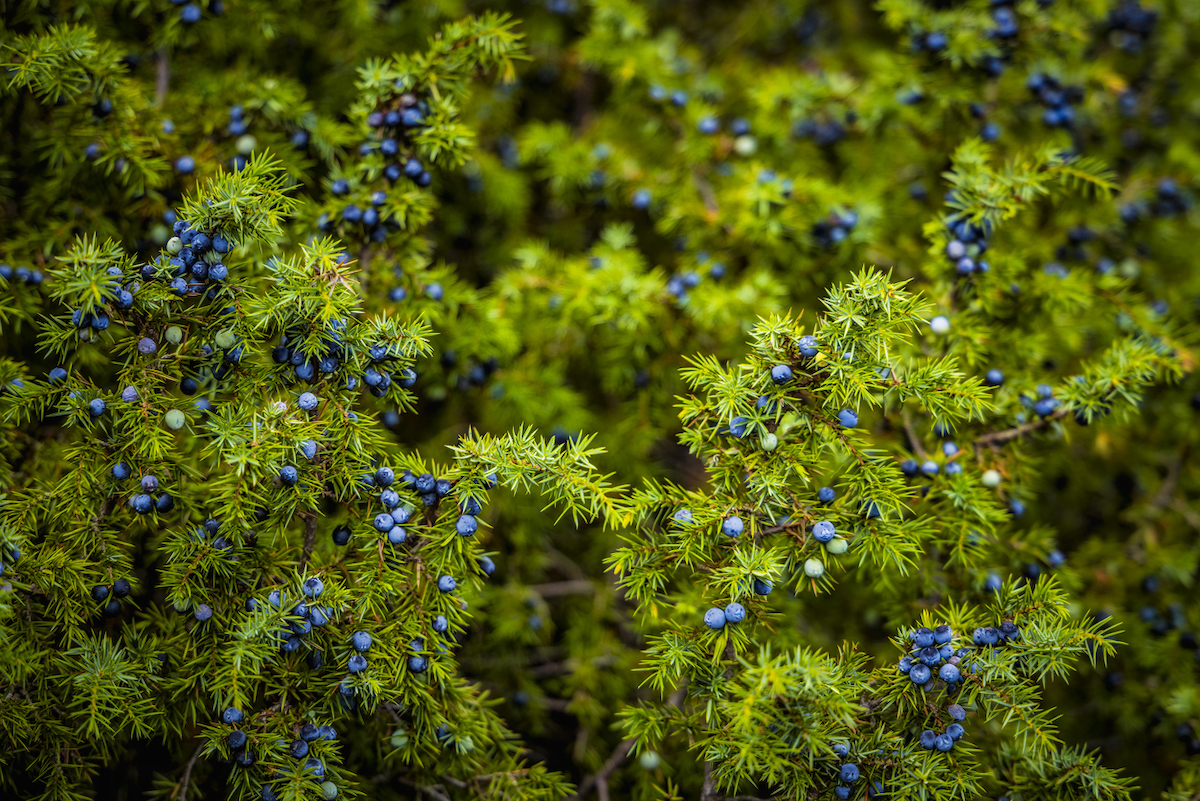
772 399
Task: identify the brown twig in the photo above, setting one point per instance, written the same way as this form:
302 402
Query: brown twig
554 589
997 437
708 791
310 537
612 763
162 77
187 774
913 439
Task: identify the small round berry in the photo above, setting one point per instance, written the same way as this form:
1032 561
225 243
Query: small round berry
847 418
714 618
837 547
308 401
824 531
357 663
232 716
849 773
313 587
440 624
762 587
781 374
920 674
96 407
826 495
928 739
732 526
466 525
288 476
447 584
956 731
384 522
203 612
940 324
175 419
814 568
361 641
944 742
120 471
949 674
99 593
994 377
341 535
807 345
991 478
735 613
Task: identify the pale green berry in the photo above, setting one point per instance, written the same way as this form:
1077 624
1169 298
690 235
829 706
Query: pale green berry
246 144
649 760
399 738
225 339
837 546
174 245
991 478
769 442
182 605
329 791
464 745
813 568
174 334
159 234
175 419
745 145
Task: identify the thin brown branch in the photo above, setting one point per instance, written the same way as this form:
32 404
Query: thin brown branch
612 763
554 589
705 189
182 788
708 791
913 440
310 537
162 77
997 437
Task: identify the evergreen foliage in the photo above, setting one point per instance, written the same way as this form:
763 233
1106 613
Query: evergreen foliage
624 398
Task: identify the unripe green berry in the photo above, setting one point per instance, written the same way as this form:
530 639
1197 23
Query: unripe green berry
183 605
745 145
175 419
813 568
837 546
649 760
159 234
329 791
174 245
399 738
246 144
173 334
991 478
225 339
769 442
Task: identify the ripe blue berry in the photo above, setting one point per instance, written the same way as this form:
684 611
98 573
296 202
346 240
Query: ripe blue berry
96 407
807 345
232 716
440 624
923 637
732 526
120 471
236 739
920 674
826 495
994 377
418 663
683 516
949 674
357 663
738 426
1055 558
447 584
944 742
383 522
842 792
714 618
288 476
849 773
928 739
735 613
466 525
957 712
308 401
781 374
298 749
641 199
341 535
823 531
313 587
486 565
99 593
397 535
847 418
142 503
203 612
942 634
361 640
762 587
384 477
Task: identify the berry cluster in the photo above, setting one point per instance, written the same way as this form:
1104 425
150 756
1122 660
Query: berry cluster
848 774
10 552
194 260
931 740
144 502
826 133
1131 25
23 274
834 229
1059 101
968 242
302 748
933 649
716 618
113 595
